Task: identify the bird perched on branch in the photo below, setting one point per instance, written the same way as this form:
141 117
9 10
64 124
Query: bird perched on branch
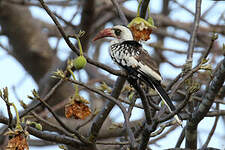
129 54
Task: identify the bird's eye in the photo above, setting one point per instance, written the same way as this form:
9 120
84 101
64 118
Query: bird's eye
117 32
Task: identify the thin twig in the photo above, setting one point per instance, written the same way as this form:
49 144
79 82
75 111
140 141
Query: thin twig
162 127
204 56
121 14
57 128
163 134
33 106
73 48
48 136
9 114
194 31
77 134
152 104
131 105
181 138
59 27
102 115
114 100
54 137
190 73
188 10
86 122
144 100
212 130
209 9
179 108
105 67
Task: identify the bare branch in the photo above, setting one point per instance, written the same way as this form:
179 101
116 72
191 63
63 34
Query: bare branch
113 101
194 31
203 109
212 130
121 14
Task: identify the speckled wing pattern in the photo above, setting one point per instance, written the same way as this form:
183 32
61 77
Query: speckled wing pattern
137 62
130 55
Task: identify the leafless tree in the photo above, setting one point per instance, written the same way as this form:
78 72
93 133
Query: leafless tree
198 90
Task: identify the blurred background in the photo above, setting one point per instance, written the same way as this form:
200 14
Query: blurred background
31 49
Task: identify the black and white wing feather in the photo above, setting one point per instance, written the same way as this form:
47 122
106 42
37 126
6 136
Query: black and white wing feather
137 62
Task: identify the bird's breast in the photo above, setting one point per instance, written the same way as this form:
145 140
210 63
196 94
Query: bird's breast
120 54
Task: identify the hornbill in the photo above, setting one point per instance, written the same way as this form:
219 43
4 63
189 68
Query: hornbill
129 55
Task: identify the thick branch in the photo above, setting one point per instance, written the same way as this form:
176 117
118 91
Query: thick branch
203 109
100 118
210 93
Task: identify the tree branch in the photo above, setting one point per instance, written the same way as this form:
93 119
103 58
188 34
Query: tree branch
194 31
208 99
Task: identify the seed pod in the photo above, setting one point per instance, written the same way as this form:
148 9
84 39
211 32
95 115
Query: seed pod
80 62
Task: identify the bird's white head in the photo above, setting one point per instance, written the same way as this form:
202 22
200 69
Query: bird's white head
120 33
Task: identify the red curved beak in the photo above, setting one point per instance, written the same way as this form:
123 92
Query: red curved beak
108 32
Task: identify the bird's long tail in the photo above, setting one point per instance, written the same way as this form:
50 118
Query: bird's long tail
162 93
166 99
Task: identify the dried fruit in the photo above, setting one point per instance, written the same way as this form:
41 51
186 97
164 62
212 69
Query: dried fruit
77 108
141 28
18 141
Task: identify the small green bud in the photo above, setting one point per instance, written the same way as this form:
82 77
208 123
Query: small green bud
23 104
162 104
204 61
80 62
62 147
35 93
70 63
130 97
206 67
38 126
35 124
58 74
30 97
